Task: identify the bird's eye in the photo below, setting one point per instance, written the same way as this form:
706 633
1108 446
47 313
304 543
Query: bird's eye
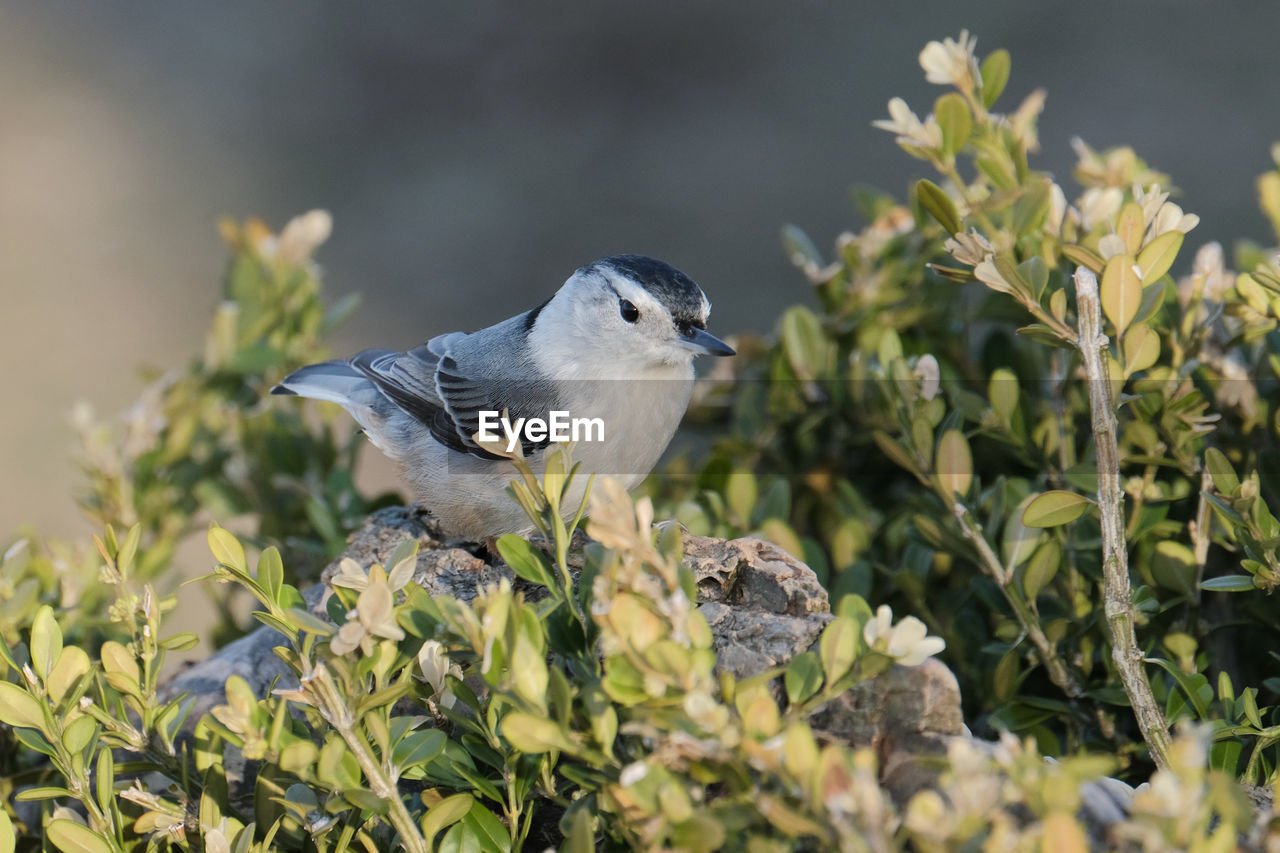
629 312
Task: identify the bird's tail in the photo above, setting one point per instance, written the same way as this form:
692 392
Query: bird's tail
339 382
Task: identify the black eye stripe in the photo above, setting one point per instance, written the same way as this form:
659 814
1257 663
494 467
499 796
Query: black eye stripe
629 312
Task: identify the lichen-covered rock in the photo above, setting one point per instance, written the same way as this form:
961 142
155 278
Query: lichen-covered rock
750 574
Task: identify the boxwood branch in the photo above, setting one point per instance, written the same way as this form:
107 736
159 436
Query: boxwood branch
1128 657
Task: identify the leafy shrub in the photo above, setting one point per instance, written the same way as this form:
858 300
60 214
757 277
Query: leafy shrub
931 434
909 438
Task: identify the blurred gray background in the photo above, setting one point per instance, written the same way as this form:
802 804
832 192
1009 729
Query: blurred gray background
473 154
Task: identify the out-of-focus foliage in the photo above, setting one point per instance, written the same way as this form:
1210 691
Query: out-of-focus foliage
923 435
206 442
203 442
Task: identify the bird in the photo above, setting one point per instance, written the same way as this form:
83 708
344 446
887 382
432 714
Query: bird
612 350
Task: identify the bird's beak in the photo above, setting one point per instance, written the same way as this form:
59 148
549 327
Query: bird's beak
704 343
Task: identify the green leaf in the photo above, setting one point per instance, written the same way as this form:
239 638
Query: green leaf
493 836
954 463
124 557
1043 334
1004 680
995 75
121 667
19 708
1042 568
963 275
46 641
577 826
1141 348
741 494
307 621
803 677
1032 209
534 735
180 642
1018 542
419 748
445 813
1036 273
271 572
1229 583
799 248
1055 507
525 560
362 798
955 121
776 502
1173 566
1130 227
938 203
838 647
1002 389
337 767
79 734
298 756
1084 257
1120 291
1249 702
8 837
71 837
32 739
226 549
72 664
1190 685
1220 470
892 448
1058 305
48 792
1158 256
804 342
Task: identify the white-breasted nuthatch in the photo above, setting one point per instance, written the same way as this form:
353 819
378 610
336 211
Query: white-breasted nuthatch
612 351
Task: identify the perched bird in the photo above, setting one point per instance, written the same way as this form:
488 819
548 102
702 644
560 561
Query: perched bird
612 351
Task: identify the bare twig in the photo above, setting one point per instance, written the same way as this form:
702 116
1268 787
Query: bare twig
1115 559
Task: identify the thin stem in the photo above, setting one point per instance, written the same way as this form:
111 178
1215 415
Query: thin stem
1062 330
1135 518
1058 671
335 708
1199 528
1125 652
949 171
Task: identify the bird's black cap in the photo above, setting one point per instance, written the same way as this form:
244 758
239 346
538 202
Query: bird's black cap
679 293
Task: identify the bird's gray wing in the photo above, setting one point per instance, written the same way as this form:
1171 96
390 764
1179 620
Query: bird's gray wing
447 382
490 370
408 380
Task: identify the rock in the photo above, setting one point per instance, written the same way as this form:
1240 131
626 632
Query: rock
763 606
907 715
753 575
443 568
